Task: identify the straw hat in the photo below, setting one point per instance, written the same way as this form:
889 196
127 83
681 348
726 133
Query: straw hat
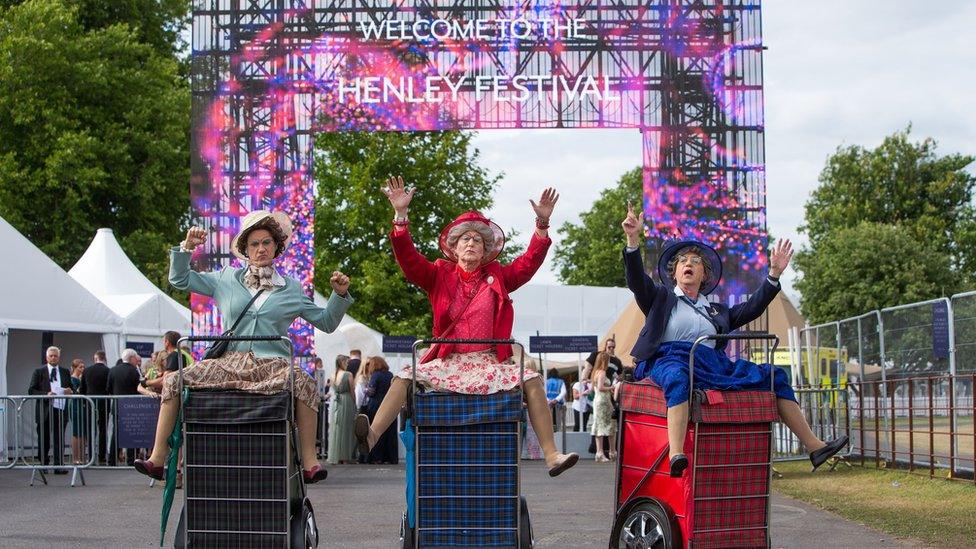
252 219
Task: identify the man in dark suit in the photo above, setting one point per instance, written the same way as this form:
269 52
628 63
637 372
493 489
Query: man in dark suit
123 379
50 379
355 359
93 383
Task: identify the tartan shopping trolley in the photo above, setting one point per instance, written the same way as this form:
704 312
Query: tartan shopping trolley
723 500
242 471
463 458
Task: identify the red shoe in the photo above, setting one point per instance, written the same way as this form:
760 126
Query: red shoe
315 474
149 469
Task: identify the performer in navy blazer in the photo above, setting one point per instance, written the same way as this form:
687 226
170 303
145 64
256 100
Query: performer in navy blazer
676 317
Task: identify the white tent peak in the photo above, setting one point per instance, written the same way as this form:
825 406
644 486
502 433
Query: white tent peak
49 299
108 273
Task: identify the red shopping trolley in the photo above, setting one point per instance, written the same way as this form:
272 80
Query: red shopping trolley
724 501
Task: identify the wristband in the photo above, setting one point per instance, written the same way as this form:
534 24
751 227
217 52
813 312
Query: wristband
541 223
773 278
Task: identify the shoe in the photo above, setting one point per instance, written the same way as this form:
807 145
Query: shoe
600 458
149 469
179 481
613 456
678 465
315 474
568 461
361 429
819 457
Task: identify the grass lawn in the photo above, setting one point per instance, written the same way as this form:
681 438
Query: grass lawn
935 511
920 437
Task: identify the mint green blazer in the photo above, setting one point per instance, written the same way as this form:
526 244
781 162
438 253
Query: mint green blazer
282 307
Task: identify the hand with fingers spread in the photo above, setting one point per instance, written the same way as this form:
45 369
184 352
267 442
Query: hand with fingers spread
780 257
340 283
543 210
400 197
633 226
195 236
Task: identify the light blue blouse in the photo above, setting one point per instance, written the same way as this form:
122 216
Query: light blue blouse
276 314
685 324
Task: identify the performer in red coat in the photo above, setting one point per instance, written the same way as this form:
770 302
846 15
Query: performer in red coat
469 296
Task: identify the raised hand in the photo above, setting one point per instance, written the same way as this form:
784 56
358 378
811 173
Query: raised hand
633 226
780 257
400 197
547 202
194 237
339 282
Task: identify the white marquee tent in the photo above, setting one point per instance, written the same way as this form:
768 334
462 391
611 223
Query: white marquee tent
108 273
40 297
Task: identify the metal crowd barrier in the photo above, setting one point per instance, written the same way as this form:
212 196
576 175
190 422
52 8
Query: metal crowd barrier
63 434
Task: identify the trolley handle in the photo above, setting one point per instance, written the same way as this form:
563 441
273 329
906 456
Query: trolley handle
286 339
742 336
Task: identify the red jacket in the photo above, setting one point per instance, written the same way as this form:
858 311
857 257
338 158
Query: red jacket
440 280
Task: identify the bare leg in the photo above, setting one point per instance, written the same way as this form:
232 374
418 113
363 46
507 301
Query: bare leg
535 397
599 448
307 422
792 416
389 409
168 411
677 428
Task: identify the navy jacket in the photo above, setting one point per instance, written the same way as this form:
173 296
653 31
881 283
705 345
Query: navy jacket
657 301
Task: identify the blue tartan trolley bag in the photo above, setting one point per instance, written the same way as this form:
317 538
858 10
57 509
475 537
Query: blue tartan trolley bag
243 483
463 458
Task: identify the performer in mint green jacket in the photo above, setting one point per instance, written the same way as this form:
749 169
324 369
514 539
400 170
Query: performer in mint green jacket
262 366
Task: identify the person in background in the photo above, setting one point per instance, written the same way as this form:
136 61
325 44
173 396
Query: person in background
609 347
603 423
361 384
50 379
79 413
342 441
322 384
386 449
582 393
93 383
123 379
355 360
555 395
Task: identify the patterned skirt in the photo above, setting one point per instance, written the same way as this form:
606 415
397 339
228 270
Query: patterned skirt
245 372
474 373
603 422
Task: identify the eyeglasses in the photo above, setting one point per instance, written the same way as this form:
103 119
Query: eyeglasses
471 238
693 259
255 244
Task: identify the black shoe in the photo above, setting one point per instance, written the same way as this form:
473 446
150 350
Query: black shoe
678 465
819 457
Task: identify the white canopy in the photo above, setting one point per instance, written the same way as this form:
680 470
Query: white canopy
351 334
108 273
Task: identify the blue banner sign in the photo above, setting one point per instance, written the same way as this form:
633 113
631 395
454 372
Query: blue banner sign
940 330
398 344
562 344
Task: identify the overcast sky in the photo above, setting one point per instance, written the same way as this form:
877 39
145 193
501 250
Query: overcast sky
836 72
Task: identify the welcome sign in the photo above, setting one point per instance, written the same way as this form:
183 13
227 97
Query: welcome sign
685 75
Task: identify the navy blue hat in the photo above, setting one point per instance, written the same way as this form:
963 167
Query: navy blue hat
708 254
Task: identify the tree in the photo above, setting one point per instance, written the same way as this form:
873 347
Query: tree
353 217
869 266
899 182
94 132
589 253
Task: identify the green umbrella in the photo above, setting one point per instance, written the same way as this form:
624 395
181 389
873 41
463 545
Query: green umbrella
172 467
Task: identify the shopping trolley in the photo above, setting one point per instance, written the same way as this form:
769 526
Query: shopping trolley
242 471
463 458
724 501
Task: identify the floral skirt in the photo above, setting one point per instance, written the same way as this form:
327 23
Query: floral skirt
474 373
245 372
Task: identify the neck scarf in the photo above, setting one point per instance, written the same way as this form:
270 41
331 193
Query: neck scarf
259 278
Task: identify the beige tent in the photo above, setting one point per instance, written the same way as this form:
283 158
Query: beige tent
781 316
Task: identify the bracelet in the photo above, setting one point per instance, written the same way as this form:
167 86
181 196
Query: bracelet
400 221
541 223
183 247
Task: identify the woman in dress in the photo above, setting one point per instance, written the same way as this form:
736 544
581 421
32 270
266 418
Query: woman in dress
469 295
380 378
254 366
678 315
80 414
603 422
342 443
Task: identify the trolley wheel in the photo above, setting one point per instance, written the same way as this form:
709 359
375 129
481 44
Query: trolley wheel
525 525
180 531
406 533
643 526
304 531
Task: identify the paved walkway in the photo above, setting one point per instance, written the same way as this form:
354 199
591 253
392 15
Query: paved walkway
359 507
